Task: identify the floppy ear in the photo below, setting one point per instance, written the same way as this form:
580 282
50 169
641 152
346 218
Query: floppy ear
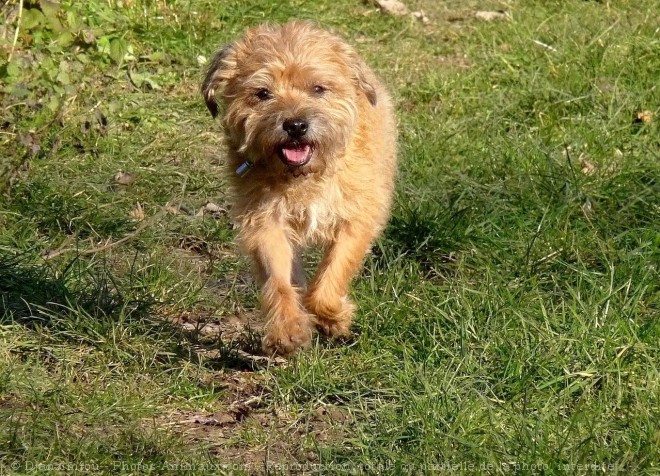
363 77
220 69
365 81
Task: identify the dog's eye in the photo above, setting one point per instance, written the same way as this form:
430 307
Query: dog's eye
318 89
263 94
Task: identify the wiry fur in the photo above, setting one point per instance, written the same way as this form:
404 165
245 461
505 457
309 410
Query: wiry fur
340 199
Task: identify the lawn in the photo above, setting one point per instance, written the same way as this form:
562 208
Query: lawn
509 317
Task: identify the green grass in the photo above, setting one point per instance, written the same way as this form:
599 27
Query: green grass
508 318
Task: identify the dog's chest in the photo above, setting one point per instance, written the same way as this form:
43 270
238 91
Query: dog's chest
315 219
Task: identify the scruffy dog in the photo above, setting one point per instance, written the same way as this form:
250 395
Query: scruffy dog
311 141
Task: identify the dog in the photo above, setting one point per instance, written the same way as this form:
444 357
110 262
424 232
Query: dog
311 143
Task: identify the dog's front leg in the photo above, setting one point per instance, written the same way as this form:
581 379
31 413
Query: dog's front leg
288 325
327 297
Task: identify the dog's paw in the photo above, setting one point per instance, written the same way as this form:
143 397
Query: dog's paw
332 320
333 328
286 337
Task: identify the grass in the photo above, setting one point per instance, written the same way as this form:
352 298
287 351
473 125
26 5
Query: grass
508 318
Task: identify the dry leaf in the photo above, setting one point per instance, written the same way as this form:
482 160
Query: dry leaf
124 178
421 16
587 167
490 16
457 15
645 117
138 212
213 208
31 141
391 7
215 419
173 210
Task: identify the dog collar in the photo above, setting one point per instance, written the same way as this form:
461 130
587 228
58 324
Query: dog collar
244 168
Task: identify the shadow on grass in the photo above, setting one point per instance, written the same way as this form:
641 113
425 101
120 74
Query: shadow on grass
426 233
83 303
32 293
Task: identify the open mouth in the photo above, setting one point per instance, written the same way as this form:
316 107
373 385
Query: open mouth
295 154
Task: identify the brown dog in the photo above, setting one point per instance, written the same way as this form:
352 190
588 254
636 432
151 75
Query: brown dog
311 141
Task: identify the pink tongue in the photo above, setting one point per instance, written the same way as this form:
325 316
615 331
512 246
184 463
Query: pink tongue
296 155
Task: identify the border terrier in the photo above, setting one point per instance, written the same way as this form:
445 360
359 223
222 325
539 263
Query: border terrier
311 143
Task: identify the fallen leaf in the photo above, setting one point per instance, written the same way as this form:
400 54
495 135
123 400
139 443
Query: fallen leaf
491 16
587 167
211 209
216 419
457 16
138 212
124 178
173 210
391 7
180 209
143 81
644 117
31 141
421 16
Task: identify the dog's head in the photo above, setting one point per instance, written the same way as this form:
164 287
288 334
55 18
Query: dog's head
289 94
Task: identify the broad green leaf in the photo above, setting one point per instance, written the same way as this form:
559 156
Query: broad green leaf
160 57
50 10
103 45
144 79
32 18
53 104
65 38
73 21
118 48
13 69
50 69
63 77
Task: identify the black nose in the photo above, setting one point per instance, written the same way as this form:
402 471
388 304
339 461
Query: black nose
296 128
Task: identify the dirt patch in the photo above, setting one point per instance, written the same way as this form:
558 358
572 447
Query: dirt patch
246 429
227 342
259 440
207 325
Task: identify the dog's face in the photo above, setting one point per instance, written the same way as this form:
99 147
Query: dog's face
289 96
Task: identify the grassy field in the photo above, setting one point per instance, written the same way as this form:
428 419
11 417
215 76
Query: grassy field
508 319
